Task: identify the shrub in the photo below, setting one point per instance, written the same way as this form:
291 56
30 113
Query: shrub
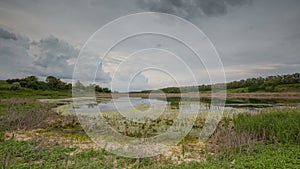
15 86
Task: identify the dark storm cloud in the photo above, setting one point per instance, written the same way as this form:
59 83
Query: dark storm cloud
53 52
7 35
53 56
191 8
49 56
13 53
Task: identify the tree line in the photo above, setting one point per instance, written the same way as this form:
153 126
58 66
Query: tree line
51 83
267 84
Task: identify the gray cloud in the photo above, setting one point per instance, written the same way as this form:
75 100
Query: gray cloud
13 54
7 35
191 8
53 52
49 56
52 56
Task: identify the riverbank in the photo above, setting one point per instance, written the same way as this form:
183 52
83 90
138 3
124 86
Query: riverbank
252 95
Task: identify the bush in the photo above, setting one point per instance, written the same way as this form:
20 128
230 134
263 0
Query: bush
15 86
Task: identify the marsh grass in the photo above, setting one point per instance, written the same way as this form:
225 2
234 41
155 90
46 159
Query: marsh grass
25 115
270 126
28 114
279 126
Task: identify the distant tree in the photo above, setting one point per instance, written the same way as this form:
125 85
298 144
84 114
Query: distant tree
53 83
106 90
98 88
79 85
30 82
56 84
253 88
10 81
31 79
15 86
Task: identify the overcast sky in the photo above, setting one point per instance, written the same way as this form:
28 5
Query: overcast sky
253 38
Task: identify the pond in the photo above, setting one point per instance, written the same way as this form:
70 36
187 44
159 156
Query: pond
168 104
119 123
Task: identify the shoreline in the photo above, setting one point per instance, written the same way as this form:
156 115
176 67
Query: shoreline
258 95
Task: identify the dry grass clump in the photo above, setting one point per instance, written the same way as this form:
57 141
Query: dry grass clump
244 130
226 137
25 114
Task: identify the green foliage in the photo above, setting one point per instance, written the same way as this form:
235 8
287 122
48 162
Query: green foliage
267 84
258 156
15 86
32 82
287 88
31 87
20 154
289 82
171 90
54 83
276 127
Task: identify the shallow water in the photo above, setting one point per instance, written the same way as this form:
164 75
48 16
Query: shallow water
170 104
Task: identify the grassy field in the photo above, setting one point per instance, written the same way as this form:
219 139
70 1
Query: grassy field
279 88
269 139
30 93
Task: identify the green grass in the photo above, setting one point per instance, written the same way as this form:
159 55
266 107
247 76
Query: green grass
20 154
282 126
261 156
279 88
288 88
238 90
30 93
4 84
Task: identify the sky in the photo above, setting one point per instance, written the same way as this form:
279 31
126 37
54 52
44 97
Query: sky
252 37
